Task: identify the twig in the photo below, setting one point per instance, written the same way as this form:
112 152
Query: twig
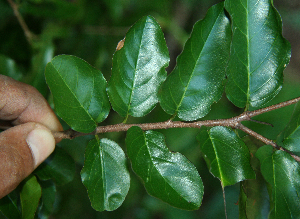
261 122
29 35
257 136
266 140
273 107
234 122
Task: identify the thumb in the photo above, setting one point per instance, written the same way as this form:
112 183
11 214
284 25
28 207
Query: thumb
22 149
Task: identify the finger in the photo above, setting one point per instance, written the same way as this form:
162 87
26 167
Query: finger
22 149
22 103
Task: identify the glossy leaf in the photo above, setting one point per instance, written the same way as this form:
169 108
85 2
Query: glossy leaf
290 137
79 92
283 173
226 155
138 69
105 174
259 53
59 167
168 176
197 80
30 196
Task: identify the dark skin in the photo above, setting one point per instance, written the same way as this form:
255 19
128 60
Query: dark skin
29 141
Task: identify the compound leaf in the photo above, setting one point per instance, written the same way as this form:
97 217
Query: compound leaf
168 176
283 173
79 92
197 80
138 69
105 174
290 137
259 53
226 155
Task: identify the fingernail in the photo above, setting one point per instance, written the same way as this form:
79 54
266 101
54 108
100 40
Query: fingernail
41 143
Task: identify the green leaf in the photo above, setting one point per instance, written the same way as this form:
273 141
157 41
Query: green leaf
54 9
30 196
254 199
197 80
290 137
283 173
259 53
168 176
242 205
9 68
226 155
138 69
105 174
9 206
79 93
59 167
44 52
48 199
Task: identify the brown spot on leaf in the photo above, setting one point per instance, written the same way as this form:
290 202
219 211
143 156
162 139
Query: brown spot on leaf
120 44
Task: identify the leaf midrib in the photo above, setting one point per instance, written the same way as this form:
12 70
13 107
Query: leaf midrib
57 70
154 166
248 57
217 158
135 70
186 88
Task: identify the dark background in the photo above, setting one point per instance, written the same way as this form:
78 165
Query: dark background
91 29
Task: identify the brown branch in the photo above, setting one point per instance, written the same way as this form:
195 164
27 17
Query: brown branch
29 35
234 122
273 107
71 134
266 140
257 136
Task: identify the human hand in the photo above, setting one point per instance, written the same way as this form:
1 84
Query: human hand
30 141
